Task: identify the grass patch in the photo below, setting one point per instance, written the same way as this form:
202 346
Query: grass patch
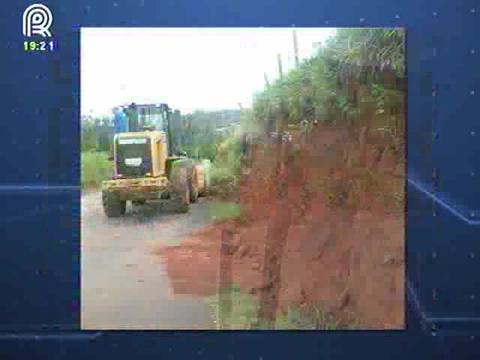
308 318
224 210
241 314
95 168
234 309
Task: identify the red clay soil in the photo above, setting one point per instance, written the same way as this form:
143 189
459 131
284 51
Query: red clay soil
344 245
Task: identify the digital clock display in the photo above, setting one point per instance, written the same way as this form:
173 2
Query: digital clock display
38 46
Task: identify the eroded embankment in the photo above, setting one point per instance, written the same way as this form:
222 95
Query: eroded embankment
322 224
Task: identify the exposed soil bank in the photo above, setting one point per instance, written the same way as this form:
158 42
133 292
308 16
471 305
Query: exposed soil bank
335 208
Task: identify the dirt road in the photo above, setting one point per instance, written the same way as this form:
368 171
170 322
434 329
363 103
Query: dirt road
124 285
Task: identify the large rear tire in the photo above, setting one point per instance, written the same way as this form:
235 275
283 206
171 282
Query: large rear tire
180 193
112 205
205 169
194 186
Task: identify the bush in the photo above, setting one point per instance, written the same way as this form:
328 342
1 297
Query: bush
95 168
225 171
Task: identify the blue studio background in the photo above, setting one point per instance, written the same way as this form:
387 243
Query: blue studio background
40 176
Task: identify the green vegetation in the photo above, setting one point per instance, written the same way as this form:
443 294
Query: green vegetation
355 71
356 82
234 309
242 312
95 168
225 171
224 210
203 131
97 134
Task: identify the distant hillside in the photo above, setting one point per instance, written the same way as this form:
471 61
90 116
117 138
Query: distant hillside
212 119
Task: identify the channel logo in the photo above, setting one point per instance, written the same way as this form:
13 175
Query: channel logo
37 19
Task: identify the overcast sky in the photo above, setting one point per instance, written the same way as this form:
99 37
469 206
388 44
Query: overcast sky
188 68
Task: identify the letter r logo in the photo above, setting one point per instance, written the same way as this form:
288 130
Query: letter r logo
37 19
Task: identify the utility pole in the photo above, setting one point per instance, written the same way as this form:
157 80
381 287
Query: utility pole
280 72
295 46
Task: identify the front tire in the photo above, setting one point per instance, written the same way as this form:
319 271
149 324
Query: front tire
205 170
112 205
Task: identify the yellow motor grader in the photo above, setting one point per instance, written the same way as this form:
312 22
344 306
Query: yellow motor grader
146 168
